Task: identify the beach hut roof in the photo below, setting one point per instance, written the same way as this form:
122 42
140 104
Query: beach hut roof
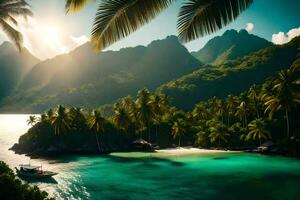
268 144
140 141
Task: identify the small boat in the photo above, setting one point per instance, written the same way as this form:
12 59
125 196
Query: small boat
33 171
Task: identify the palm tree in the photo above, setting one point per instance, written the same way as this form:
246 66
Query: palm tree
43 118
159 105
284 95
60 120
179 130
77 118
121 118
242 113
218 132
258 130
32 120
50 113
119 18
145 111
231 103
200 112
9 11
96 123
254 96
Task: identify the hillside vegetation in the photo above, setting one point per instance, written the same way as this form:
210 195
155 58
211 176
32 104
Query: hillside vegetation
85 78
231 45
13 67
231 77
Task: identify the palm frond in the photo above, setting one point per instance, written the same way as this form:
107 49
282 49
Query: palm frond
116 19
9 9
198 18
12 33
76 5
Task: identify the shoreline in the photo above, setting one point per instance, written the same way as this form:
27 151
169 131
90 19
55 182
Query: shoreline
192 151
171 151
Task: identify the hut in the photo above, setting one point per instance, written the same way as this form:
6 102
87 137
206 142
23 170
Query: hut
141 145
267 146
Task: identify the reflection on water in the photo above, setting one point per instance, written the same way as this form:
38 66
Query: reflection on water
153 176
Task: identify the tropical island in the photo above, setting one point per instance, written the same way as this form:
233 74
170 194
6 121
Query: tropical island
266 112
202 103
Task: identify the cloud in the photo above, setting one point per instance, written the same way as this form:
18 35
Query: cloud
249 27
46 40
282 38
80 40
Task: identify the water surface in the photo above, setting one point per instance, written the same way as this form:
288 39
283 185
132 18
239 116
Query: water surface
135 176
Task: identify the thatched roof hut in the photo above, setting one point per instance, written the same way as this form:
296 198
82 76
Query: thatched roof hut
141 145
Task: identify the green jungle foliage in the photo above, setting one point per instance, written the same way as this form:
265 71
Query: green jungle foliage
14 66
264 112
11 188
231 45
85 78
231 77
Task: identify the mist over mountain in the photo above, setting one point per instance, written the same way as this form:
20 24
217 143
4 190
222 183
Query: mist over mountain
231 45
86 78
13 67
231 77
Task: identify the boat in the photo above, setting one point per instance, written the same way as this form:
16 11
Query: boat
33 171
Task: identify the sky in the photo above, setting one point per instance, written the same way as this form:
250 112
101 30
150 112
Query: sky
51 32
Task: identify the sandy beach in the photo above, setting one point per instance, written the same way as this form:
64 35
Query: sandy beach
189 150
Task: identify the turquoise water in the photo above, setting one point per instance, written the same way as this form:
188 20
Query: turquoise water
160 176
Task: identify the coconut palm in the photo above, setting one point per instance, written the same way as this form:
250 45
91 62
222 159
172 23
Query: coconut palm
43 118
77 118
121 117
254 96
218 132
159 106
32 120
258 130
116 19
284 95
231 104
60 120
242 113
9 11
217 136
179 130
200 112
145 111
50 113
96 123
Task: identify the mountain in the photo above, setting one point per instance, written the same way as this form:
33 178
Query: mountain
13 67
231 77
231 45
85 78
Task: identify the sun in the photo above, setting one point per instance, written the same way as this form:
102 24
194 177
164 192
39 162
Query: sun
50 33
52 37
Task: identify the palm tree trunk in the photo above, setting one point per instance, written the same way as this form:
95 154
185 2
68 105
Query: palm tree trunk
228 118
257 112
98 142
149 132
156 130
287 122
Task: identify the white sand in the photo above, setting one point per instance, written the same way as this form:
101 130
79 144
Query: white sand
189 150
